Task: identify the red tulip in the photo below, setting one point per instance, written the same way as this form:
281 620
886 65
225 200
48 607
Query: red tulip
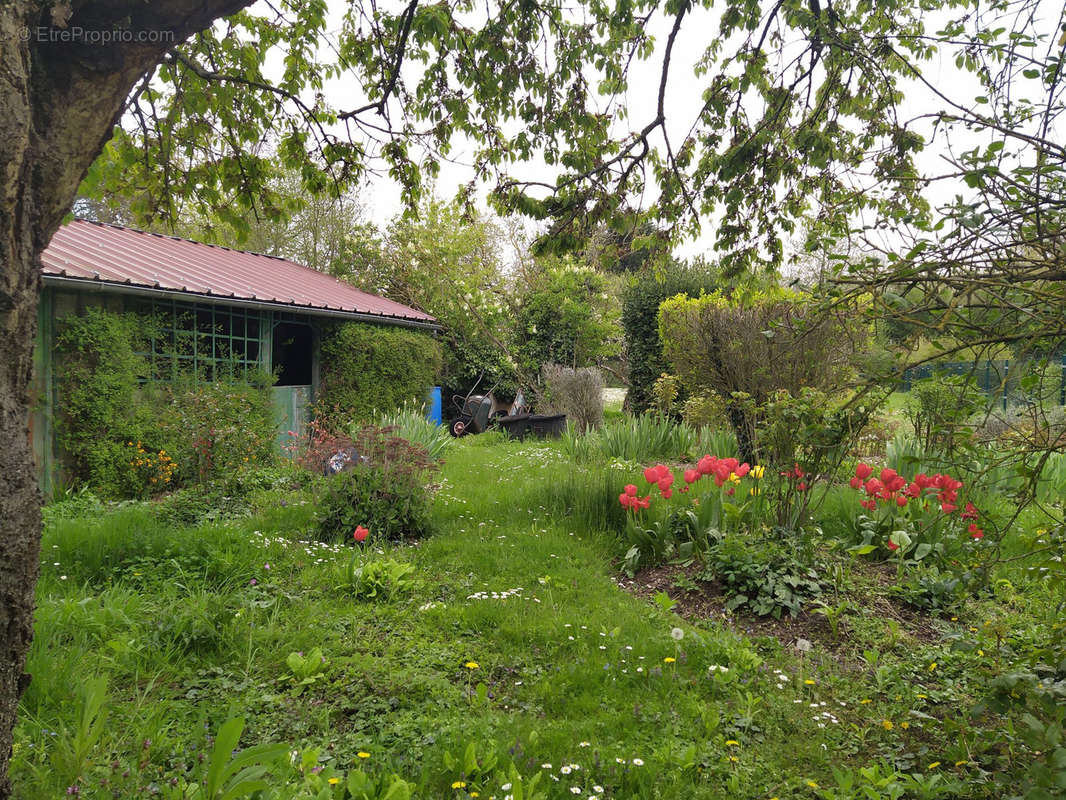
692 475
667 493
360 533
863 471
631 490
856 482
901 501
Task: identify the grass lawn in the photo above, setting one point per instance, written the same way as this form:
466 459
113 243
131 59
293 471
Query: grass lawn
511 660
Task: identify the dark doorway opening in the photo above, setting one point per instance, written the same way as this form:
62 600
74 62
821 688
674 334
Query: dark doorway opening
292 354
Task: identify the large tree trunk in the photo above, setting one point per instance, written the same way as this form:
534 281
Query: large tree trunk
59 101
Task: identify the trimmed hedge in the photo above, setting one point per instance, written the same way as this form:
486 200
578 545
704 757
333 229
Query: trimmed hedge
368 369
640 320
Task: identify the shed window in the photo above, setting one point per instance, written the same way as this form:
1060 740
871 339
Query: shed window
206 343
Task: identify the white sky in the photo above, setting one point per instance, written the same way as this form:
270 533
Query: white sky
383 198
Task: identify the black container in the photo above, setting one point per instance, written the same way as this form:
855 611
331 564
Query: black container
547 426
516 426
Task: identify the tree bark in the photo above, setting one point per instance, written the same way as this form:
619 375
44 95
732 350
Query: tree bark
61 93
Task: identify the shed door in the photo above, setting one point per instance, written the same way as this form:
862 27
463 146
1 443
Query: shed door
292 412
292 360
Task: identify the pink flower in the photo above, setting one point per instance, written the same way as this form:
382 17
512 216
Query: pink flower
360 533
855 482
901 501
631 490
692 475
743 469
947 508
667 493
863 471
651 474
666 481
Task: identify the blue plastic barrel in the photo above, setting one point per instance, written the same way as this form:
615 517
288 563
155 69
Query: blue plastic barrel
433 407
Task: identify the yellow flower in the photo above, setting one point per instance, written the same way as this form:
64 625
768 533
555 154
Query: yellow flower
669 659
809 682
754 491
472 665
757 471
980 652
961 763
362 754
475 794
732 743
934 765
734 759
459 785
904 725
334 780
812 784
734 478
865 701
932 666
886 724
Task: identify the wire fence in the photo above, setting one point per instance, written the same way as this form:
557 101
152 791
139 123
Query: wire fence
1003 379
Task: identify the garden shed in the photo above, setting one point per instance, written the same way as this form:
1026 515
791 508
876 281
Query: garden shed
216 309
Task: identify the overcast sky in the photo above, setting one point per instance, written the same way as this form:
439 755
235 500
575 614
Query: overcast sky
383 197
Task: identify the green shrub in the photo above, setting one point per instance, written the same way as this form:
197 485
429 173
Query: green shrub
128 439
753 343
101 405
385 490
766 579
369 369
640 321
563 317
219 429
940 410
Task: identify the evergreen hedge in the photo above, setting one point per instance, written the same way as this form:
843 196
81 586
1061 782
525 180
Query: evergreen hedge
368 369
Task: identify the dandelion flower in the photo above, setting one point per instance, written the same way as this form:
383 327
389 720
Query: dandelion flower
887 724
809 682
363 754
732 743
334 780
472 665
459 785
812 784
934 765
677 634
669 659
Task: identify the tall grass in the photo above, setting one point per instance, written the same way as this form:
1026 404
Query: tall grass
412 425
636 439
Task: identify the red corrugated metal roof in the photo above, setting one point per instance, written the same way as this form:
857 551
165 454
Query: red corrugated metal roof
129 258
